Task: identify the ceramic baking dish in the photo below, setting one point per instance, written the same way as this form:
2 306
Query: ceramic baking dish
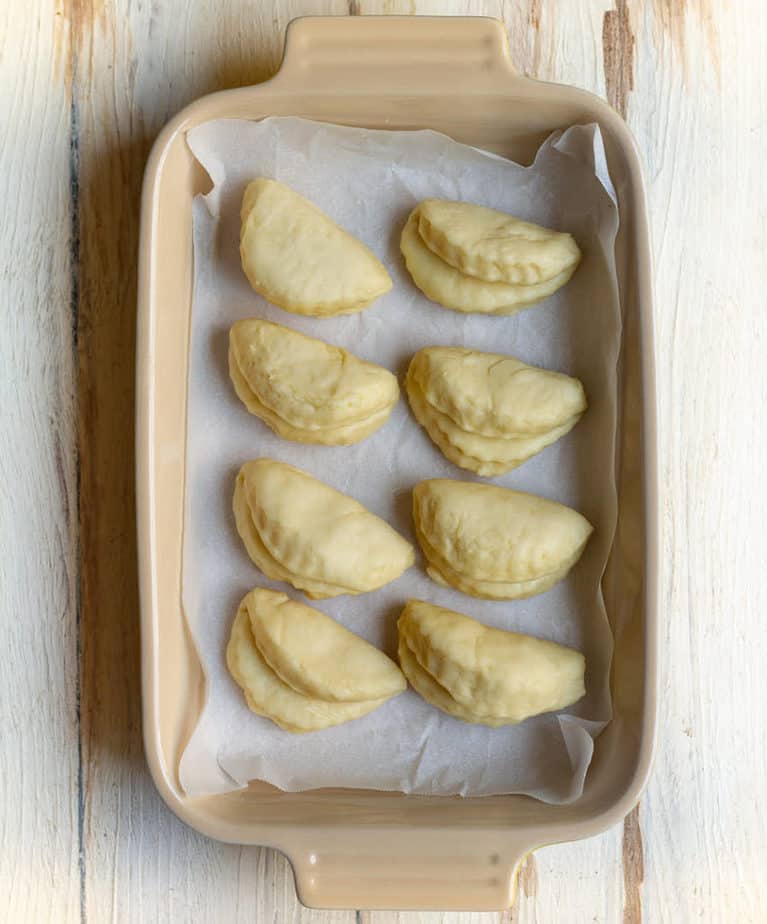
356 848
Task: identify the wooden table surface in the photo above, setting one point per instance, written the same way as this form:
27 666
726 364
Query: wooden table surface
85 85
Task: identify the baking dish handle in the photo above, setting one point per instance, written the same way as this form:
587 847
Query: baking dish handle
406 54
416 869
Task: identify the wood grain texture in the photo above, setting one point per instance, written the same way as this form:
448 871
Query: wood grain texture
84 88
40 830
703 818
139 861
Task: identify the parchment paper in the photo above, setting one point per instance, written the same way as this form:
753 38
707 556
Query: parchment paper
368 181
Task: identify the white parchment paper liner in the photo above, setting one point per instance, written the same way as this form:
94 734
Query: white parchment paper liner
368 181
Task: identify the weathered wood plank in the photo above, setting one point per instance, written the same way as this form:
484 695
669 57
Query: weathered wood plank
39 821
698 109
130 72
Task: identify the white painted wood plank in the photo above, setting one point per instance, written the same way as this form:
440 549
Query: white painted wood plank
134 69
704 133
39 878
582 882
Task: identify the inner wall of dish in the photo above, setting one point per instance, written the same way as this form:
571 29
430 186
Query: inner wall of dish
507 126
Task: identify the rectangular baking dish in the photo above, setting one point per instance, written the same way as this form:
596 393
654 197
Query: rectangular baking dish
356 848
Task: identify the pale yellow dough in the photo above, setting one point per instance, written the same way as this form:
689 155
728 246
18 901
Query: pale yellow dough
488 412
491 672
493 542
305 389
487 456
436 695
315 655
495 246
298 258
447 286
268 696
300 530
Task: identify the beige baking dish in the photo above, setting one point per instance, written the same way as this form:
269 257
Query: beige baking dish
354 848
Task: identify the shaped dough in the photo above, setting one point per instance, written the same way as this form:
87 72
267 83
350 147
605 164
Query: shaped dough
493 542
305 389
315 655
450 287
487 456
435 694
488 412
268 696
495 246
487 672
302 531
298 258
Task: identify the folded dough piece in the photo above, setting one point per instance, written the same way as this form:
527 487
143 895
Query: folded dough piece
435 694
488 412
315 655
298 258
305 389
447 286
300 530
484 675
493 542
493 245
268 696
487 456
